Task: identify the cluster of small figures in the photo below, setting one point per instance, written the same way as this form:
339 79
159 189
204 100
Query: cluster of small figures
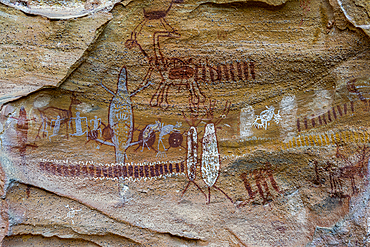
147 136
53 118
261 177
338 175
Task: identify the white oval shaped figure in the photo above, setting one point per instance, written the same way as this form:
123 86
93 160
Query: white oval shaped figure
210 166
247 117
192 154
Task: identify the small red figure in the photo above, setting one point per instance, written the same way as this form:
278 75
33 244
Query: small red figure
22 132
261 177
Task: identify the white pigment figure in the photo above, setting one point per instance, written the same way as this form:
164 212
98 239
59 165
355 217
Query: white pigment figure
56 126
262 121
165 130
78 123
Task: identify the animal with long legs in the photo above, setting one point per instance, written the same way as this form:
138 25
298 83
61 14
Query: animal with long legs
165 130
358 168
355 166
155 15
173 72
50 113
147 136
210 159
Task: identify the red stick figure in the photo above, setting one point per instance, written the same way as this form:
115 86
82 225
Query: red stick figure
246 177
261 177
268 170
22 132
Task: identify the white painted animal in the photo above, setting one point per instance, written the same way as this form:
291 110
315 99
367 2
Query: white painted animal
165 130
149 129
262 121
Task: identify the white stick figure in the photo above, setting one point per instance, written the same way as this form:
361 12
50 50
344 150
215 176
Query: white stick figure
56 126
96 122
78 123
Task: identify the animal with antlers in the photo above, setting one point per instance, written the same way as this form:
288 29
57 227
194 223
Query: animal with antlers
50 113
192 160
338 175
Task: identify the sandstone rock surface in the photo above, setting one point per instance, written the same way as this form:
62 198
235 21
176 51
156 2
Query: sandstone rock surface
186 123
37 52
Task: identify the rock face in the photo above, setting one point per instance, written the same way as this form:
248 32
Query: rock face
37 52
55 9
184 123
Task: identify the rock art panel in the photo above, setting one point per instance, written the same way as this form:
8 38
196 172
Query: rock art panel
178 123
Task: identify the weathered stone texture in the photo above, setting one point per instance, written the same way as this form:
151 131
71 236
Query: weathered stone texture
55 9
185 123
37 52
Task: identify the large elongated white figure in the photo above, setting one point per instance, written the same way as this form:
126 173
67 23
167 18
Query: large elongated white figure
120 117
210 166
210 159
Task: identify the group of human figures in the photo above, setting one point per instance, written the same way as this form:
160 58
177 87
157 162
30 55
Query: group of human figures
81 127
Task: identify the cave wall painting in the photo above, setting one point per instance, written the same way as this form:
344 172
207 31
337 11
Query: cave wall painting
169 107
